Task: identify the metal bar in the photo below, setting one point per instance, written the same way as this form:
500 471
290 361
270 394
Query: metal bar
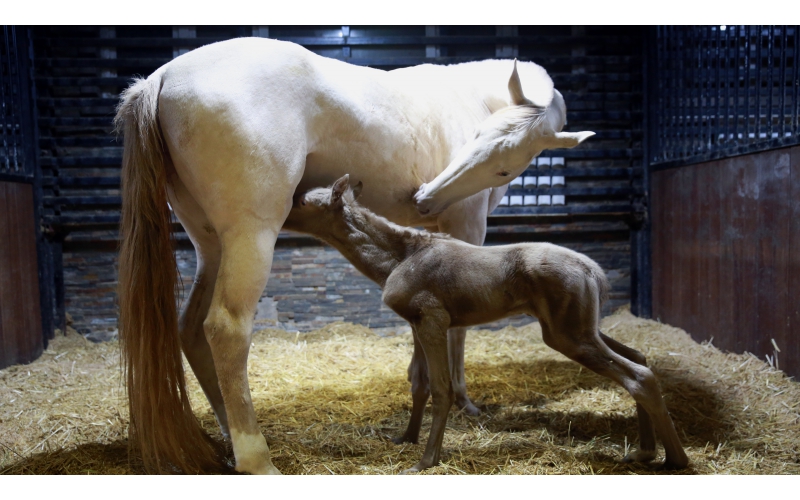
796 84
28 123
757 134
6 113
58 283
770 81
747 46
728 58
714 132
782 88
736 107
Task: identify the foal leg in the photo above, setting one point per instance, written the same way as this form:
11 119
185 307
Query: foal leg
432 335
466 221
420 392
247 250
585 346
647 436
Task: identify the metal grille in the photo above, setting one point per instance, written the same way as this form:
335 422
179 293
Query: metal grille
12 145
723 91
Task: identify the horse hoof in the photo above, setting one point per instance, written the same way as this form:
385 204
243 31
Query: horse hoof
266 470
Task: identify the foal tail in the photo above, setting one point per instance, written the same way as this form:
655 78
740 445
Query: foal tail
162 425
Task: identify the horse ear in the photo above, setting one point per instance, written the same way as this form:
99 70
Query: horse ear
338 189
566 140
515 89
357 190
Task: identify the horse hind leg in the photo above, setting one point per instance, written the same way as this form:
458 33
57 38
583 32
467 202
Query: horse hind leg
190 322
243 271
647 436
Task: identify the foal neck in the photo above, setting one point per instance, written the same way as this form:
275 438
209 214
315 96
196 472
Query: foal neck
374 245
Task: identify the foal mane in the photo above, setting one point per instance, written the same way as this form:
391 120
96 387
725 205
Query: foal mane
384 225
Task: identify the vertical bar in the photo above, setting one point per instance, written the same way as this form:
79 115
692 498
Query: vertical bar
641 261
757 135
795 82
717 128
727 80
782 103
19 143
27 94
432 50
261 31
736 106
770 82
506 50
747 85
58 283
687 96
183 32
5 165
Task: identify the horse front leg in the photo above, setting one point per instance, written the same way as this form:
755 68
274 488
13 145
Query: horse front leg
244 268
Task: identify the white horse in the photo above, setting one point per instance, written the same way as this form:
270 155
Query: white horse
226 134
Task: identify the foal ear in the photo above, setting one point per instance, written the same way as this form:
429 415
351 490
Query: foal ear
338 188
357 190
515 89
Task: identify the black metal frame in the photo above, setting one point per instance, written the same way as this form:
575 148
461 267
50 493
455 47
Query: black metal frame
28 171
716 87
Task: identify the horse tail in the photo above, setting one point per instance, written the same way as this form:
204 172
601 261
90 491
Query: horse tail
162 425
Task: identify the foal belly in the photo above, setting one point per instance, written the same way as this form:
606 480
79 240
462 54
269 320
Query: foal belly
491 303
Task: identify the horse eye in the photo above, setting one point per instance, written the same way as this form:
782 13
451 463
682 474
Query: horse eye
303 202
503 174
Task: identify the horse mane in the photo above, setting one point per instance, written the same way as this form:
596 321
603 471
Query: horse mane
523 118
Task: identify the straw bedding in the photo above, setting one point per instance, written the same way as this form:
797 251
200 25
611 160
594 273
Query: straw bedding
328 401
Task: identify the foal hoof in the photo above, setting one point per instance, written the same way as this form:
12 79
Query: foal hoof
468 408
640 456
403 440
415 469
667 466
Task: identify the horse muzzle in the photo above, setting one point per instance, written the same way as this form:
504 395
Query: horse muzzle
427 206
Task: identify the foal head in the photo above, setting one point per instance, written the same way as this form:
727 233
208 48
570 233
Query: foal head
319 211
502 148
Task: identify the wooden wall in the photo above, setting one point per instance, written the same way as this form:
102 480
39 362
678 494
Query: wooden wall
21 339
726 252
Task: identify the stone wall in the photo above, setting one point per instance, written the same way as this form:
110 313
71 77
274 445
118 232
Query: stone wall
309 287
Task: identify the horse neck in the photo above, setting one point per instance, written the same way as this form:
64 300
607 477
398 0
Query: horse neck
372 244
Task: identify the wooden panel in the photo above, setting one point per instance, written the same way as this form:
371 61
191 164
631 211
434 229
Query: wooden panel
791 347
21 339
774 240
725 237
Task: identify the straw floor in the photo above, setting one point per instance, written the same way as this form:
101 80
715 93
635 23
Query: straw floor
328 401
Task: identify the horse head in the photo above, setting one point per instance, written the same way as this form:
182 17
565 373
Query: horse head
502 148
